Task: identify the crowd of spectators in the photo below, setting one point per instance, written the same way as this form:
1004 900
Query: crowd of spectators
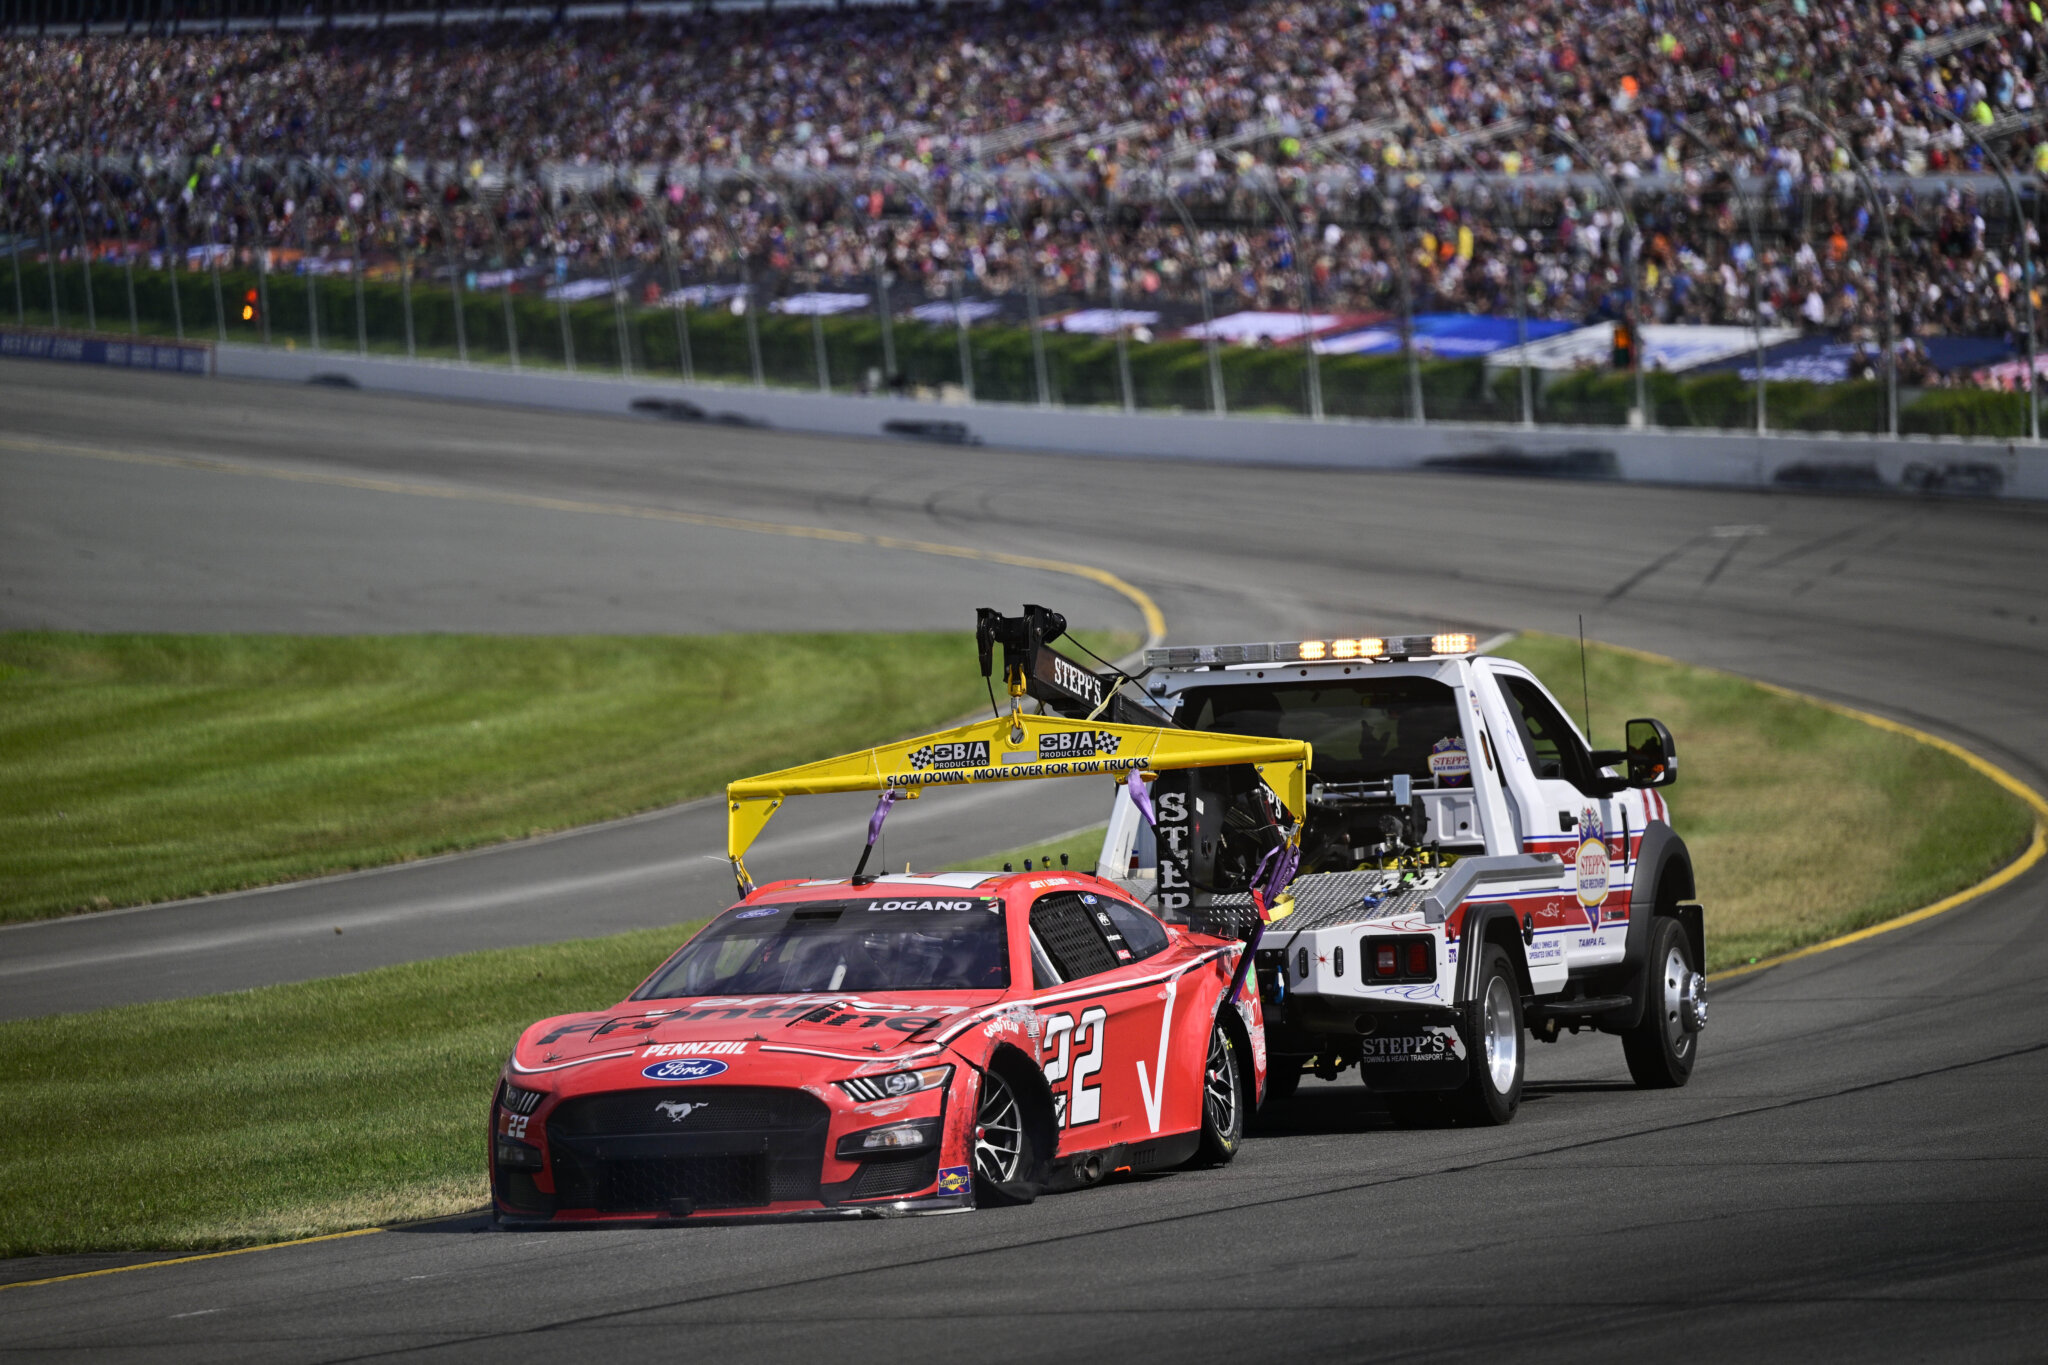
1459 153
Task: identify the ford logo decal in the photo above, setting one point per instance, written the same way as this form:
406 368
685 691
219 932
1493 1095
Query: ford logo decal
684 1069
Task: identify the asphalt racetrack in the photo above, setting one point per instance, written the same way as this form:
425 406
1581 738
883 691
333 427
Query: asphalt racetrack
1857 1170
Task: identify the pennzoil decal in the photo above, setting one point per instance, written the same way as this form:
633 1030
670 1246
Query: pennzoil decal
1060 744
968 754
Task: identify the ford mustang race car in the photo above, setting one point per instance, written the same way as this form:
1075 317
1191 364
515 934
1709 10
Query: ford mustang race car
906 1044
909 1044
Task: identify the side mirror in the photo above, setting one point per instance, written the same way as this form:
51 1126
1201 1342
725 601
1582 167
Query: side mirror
1652 757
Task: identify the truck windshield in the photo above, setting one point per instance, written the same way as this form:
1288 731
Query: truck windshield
934 943
1363 730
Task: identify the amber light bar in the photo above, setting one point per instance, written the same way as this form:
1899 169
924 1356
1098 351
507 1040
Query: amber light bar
1315 651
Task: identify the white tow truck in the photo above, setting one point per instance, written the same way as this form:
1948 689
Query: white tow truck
1473 874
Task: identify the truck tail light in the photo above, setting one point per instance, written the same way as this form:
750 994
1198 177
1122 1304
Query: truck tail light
1406 957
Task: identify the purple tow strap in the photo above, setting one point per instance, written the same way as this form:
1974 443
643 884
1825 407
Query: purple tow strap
889 798
1274 872
1142 799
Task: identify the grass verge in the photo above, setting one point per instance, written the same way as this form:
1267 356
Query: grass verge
310 1108
136 768
1803 824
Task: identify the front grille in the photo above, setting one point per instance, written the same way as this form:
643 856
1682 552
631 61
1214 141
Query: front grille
637 1151
879 1179
708 1182
691 1109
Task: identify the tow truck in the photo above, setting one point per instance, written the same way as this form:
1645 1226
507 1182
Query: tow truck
1471 874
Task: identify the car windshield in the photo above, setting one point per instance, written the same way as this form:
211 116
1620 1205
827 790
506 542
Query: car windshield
889 943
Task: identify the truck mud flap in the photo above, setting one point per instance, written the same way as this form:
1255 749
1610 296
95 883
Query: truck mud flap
1425 1057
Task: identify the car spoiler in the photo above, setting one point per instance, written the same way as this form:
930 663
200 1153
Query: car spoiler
1012 748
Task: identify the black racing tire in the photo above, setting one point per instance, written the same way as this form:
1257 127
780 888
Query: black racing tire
1223 1100
1005 1157
1496 1050
1662 1048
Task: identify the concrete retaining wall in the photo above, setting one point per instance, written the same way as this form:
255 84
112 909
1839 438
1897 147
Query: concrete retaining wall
1945 465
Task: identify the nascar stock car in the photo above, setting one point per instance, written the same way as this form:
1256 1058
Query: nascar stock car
904 1044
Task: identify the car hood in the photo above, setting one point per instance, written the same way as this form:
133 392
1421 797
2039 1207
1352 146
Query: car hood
855 1026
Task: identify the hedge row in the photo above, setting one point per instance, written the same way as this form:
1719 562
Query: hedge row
1079 370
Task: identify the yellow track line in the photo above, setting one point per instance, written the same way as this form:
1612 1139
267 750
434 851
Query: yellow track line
2033 853
187 1260
1155 620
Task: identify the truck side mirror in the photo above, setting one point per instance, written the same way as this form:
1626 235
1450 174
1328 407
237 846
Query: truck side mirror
1652 757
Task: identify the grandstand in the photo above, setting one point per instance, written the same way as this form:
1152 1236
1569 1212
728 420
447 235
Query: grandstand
1853 178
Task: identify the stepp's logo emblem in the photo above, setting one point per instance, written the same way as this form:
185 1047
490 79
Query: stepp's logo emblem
1076 744
973 754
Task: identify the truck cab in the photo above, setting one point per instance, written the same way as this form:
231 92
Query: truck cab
1473 873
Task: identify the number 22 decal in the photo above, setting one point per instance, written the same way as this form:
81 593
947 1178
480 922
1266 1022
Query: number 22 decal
1063 1032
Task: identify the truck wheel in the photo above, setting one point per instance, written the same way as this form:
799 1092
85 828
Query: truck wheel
1222 1101
1493 1037
1662 1048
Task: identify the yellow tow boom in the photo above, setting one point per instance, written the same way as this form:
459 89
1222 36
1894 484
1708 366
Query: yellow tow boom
1008 749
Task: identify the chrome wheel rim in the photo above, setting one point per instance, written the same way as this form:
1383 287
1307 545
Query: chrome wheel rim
1678 985
1503 1039
1219 1090
998 1132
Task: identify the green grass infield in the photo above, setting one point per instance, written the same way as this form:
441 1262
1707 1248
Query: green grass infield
137 768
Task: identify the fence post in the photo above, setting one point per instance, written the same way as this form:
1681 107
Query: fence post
405 295
753 323
92 321
171 274
306 265
960 333
220 310
818 342
888 330
50 261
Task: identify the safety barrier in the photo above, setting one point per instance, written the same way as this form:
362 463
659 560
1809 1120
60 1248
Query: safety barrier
1943 465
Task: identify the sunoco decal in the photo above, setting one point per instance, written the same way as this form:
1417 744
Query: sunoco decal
1595 871
685 1069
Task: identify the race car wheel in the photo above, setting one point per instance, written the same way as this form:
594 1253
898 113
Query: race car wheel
1662 1048
1222 1100
1003 1155
1493 1038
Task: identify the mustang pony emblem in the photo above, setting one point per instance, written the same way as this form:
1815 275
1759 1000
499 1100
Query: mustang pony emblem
678 1110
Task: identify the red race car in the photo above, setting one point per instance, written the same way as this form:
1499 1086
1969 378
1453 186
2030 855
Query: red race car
903 1045
911 1044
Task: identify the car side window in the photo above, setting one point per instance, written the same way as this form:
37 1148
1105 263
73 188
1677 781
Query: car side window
1076 936
1142 934
1553 750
